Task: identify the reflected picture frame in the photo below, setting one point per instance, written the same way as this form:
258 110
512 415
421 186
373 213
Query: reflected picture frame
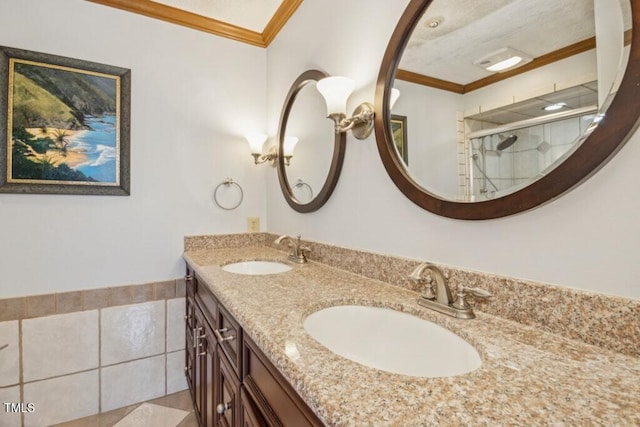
399 130
64 125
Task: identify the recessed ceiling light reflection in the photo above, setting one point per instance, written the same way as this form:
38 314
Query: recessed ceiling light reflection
555 107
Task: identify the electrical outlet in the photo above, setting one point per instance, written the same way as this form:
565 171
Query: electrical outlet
253 224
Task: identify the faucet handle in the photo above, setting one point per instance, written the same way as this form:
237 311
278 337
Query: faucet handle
429 293
461 301
477 292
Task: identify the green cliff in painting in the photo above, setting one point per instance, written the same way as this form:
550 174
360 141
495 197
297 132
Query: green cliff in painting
50 108
50 97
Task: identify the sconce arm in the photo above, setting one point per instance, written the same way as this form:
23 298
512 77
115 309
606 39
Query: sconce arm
360 123
270 156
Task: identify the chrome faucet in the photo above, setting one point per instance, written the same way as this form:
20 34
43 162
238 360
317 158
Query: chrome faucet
298 252
440 298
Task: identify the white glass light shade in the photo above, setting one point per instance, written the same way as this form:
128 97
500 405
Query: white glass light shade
289 145
395 94
256 141
336 91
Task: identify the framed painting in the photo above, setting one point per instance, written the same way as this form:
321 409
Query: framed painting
399 129
64 125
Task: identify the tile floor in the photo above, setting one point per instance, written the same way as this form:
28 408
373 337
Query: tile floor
174 410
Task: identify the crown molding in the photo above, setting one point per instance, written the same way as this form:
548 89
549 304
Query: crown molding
549 58
209 25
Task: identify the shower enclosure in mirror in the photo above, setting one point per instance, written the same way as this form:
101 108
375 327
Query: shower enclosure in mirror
509 103
308 177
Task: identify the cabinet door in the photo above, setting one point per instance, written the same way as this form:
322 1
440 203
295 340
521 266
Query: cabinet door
250 416
189 362
278 401
227 391
199 367
189 324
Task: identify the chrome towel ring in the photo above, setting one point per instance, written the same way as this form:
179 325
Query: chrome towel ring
228 183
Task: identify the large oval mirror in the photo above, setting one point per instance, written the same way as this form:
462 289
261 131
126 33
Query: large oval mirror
505 104
312 153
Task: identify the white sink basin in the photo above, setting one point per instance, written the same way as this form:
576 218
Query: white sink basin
256 267
392 341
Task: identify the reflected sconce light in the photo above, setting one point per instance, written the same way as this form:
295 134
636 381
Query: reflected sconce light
256 141
504 59
395 94
336 90
288 147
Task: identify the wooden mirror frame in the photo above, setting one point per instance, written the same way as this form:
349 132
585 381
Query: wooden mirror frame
339 146
619 123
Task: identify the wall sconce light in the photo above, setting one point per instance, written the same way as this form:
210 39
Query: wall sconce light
336 90
288 147
256 141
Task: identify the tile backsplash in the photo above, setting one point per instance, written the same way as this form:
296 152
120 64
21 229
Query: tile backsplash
79 353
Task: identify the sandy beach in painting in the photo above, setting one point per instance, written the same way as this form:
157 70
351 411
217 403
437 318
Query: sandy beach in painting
74 156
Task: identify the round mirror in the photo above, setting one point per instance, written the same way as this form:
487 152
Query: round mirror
505 104
311 152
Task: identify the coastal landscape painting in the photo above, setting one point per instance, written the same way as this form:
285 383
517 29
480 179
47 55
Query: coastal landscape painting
65 125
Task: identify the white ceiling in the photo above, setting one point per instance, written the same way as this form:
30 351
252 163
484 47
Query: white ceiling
471 30
252 15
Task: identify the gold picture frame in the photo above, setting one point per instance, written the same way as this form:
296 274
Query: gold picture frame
399 130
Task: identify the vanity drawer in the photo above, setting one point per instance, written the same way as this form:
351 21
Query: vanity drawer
229 334
207 301
279 403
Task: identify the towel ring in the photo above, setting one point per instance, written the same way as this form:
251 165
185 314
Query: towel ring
300 183
228 182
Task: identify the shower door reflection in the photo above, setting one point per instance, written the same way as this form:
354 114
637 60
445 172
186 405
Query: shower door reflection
505 161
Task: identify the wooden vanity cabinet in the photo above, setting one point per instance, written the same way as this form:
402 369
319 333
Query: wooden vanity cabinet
232 382
227 392
200 360
278 402
250 415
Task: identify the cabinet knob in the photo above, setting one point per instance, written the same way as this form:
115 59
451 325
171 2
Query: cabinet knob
222 407
188 277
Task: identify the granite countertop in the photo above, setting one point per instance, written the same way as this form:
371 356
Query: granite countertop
528 377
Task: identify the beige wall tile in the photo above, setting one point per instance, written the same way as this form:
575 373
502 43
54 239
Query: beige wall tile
62 399
121 295
142 293
9 356
132 382
181 288
12 308
69 302
165 290
95 298
176 381
59 345
10 395
175 324
41 305
132 332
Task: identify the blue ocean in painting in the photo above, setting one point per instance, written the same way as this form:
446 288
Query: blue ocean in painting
99 144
